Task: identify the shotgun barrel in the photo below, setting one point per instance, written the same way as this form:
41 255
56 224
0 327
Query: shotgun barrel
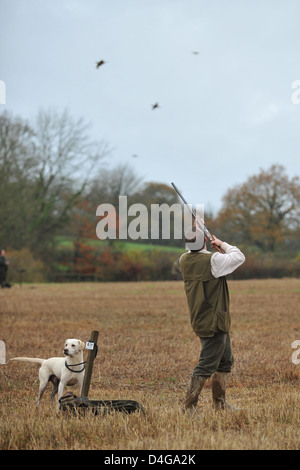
201 225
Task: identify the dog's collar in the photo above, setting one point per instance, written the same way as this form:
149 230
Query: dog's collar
68 366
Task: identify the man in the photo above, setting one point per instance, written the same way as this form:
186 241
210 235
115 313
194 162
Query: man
208 301
3 269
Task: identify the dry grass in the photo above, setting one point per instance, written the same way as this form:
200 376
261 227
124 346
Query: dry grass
146 353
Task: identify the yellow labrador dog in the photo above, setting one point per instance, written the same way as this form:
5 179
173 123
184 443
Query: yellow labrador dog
61 371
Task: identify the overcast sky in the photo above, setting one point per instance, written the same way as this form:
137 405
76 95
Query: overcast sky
225 112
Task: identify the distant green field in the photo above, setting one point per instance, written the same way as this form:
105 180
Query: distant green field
68 243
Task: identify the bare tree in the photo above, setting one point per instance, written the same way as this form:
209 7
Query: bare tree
43 171
66 158
109 184
17 165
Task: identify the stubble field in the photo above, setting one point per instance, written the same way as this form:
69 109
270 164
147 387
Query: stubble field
147 351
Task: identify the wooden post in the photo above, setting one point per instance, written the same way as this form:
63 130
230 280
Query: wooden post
92 352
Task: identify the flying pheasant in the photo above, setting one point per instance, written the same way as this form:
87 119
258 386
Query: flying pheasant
98 64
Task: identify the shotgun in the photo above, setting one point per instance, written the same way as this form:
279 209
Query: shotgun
201 225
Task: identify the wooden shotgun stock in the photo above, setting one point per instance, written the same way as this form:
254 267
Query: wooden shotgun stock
199 222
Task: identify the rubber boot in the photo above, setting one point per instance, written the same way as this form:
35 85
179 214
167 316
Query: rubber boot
194 388
218 387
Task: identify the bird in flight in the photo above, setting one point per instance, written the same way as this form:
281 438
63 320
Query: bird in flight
99 63
195 52
155 106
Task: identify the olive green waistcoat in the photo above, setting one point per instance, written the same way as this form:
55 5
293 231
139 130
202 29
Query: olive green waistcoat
207 296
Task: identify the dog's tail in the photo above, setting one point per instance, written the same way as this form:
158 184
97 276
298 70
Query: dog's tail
28 359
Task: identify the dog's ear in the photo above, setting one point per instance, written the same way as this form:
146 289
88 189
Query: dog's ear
81 345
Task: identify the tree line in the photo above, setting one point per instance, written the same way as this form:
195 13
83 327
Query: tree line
53 176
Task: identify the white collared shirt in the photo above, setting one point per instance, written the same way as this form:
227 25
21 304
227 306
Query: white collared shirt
227 262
